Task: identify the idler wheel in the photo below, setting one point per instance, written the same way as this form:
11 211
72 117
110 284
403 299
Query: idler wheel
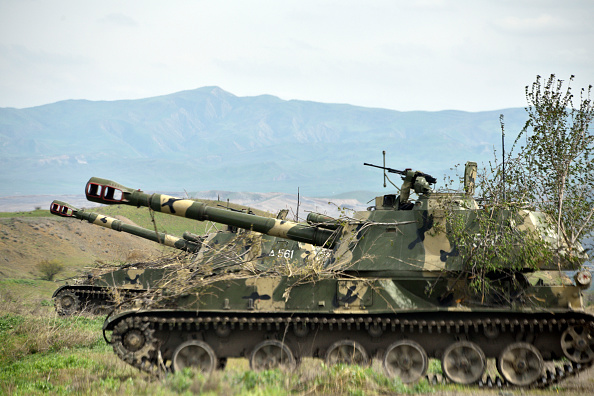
67 303
406 360
347 352
194 354
520 364
578 344
463 362
271 354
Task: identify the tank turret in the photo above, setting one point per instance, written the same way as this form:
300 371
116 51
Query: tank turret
393 287
393 227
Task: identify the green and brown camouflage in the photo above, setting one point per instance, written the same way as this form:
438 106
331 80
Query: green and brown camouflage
64 209
393 237
393 287
254 252
108 192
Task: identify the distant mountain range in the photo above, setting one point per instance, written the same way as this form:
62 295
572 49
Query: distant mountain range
210 139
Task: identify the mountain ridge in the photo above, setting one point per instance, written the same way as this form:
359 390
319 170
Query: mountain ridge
209 139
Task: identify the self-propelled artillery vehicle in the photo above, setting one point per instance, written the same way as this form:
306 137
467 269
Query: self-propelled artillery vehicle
393 288
96 293
225 250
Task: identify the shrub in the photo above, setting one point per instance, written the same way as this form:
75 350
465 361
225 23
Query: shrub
49 268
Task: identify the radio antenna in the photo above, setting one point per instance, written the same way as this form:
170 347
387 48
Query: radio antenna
297 215
503 153
384 154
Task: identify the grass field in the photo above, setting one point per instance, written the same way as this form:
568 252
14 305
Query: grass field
42 353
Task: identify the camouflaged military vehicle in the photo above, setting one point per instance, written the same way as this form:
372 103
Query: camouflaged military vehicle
226 250
97 292
391 289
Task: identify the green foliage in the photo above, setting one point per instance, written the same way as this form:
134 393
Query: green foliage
552 173
554 168
181 382
434 366
356 380
8 322
27 282
49 268
492 246
252 379
24 335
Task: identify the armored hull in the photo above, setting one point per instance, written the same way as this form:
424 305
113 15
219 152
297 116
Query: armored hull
392 288
353 320
98 294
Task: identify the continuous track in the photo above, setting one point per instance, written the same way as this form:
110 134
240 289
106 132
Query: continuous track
97 300
147 340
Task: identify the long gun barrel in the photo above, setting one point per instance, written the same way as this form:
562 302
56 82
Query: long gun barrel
109 192
64 209
430 179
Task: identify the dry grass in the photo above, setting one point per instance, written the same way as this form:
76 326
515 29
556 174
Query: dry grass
28 331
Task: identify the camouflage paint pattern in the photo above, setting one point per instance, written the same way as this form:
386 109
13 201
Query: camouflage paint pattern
108 192
391 288
64 209
397 255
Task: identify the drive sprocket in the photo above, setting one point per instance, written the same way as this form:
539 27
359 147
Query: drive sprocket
133 341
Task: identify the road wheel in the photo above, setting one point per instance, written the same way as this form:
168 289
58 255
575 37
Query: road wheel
347 352
194 354
406 360
578 344
271 354
67 303
520 364
463 362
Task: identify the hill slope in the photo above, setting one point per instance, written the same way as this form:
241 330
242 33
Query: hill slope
25 241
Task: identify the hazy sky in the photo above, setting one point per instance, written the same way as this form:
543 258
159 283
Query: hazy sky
403 55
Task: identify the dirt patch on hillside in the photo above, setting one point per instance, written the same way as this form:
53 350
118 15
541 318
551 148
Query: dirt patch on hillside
25 241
